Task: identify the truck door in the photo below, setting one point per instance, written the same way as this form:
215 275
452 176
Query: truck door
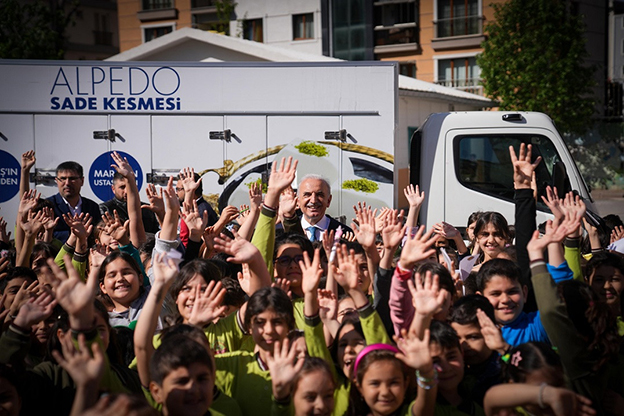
314 141
16 137
478 170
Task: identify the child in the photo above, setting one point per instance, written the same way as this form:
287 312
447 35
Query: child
182 377
499 281
11 284
11 400
605 274
445 351
535 385
382 378
482 363
302 388
491 234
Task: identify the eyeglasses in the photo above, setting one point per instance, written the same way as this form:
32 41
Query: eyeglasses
285 261
67 178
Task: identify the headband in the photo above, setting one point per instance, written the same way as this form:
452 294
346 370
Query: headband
370 348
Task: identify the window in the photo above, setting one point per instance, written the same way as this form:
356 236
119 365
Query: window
205 21
408 69
461 73
458 18
101 33
303 26
482 162
252 29
395 13
157 4
150 33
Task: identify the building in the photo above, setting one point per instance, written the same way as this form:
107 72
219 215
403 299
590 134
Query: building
94 34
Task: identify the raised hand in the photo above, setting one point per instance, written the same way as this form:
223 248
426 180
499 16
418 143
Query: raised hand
122 166
574 205
28 202
414 351
288 202
156 202
553 203
446 230
282 174
492 335
165 269
115 228
284 367
418 247
427 297
393 231
311 272
255 196
81 366
207 305
282 284
241 250
4 236
31 308
414 196
196 223
523 168
380 218
51 222
171 198
33 224
28 160
349 236
617 233
328 305
228 214
365 233
97 255
187 177
347 272
80 224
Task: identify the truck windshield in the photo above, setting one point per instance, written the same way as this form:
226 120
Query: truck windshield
482 162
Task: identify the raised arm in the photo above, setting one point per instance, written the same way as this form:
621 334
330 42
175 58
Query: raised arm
365 234
28 161
415 199
255 201
137 229
169 226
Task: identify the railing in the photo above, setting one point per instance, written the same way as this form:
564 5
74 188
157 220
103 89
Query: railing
157 4
103 38
459 26
197 4
395 36
470 85
614 108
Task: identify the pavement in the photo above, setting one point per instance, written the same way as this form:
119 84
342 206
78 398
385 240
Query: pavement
610 201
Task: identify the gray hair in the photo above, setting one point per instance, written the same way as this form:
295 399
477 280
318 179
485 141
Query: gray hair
317 177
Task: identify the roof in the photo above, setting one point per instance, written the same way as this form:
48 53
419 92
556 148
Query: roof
196 45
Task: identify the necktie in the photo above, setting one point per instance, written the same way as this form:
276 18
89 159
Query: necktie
312 231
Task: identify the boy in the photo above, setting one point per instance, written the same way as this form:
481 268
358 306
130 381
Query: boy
499 281
183 375
483 368
12 283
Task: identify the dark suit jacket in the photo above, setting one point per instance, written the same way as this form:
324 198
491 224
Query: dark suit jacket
61 231
293 225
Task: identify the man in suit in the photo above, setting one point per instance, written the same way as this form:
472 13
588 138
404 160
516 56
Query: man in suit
314 197
69 180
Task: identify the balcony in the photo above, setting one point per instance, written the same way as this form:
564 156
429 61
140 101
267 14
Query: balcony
397 38
157 10
470 85
203 4
103 38
458 32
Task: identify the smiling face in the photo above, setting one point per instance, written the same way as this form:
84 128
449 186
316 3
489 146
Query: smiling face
185 391
472 343
363 275
450 365
287 265
268 327
507 297
350 343
383 386
314 394
121 283
491 241
186 297
314 199
608 282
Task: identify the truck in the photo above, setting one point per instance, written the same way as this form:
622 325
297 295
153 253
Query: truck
229 121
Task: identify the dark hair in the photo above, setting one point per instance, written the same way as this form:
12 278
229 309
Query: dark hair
292 238
444 335
532 356
190 331
473 218
444 276
207 270
497 267
270 298
612 221
200 188
465 310
357 326
470 284
178 351
118 177
497 220
15 273
603 258
234 294
356 247
43 203
310 365
377 355
592 318
44 250
226 268
128 259
8 373
74 166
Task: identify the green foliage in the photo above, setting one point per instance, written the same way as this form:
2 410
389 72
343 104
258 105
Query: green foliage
225 11
533 60
361 185
311 148
34 30
258 182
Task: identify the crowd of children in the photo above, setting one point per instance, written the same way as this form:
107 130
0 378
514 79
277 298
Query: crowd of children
248 316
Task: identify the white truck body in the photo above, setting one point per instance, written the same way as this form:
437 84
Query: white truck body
229 121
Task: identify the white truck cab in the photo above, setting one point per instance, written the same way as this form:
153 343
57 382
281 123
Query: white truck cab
461 160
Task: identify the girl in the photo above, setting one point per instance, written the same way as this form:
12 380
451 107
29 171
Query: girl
492 235
536 385
605 274
307 386
121 281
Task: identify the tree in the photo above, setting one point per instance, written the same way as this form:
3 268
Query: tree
225 11
533 60
35 29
